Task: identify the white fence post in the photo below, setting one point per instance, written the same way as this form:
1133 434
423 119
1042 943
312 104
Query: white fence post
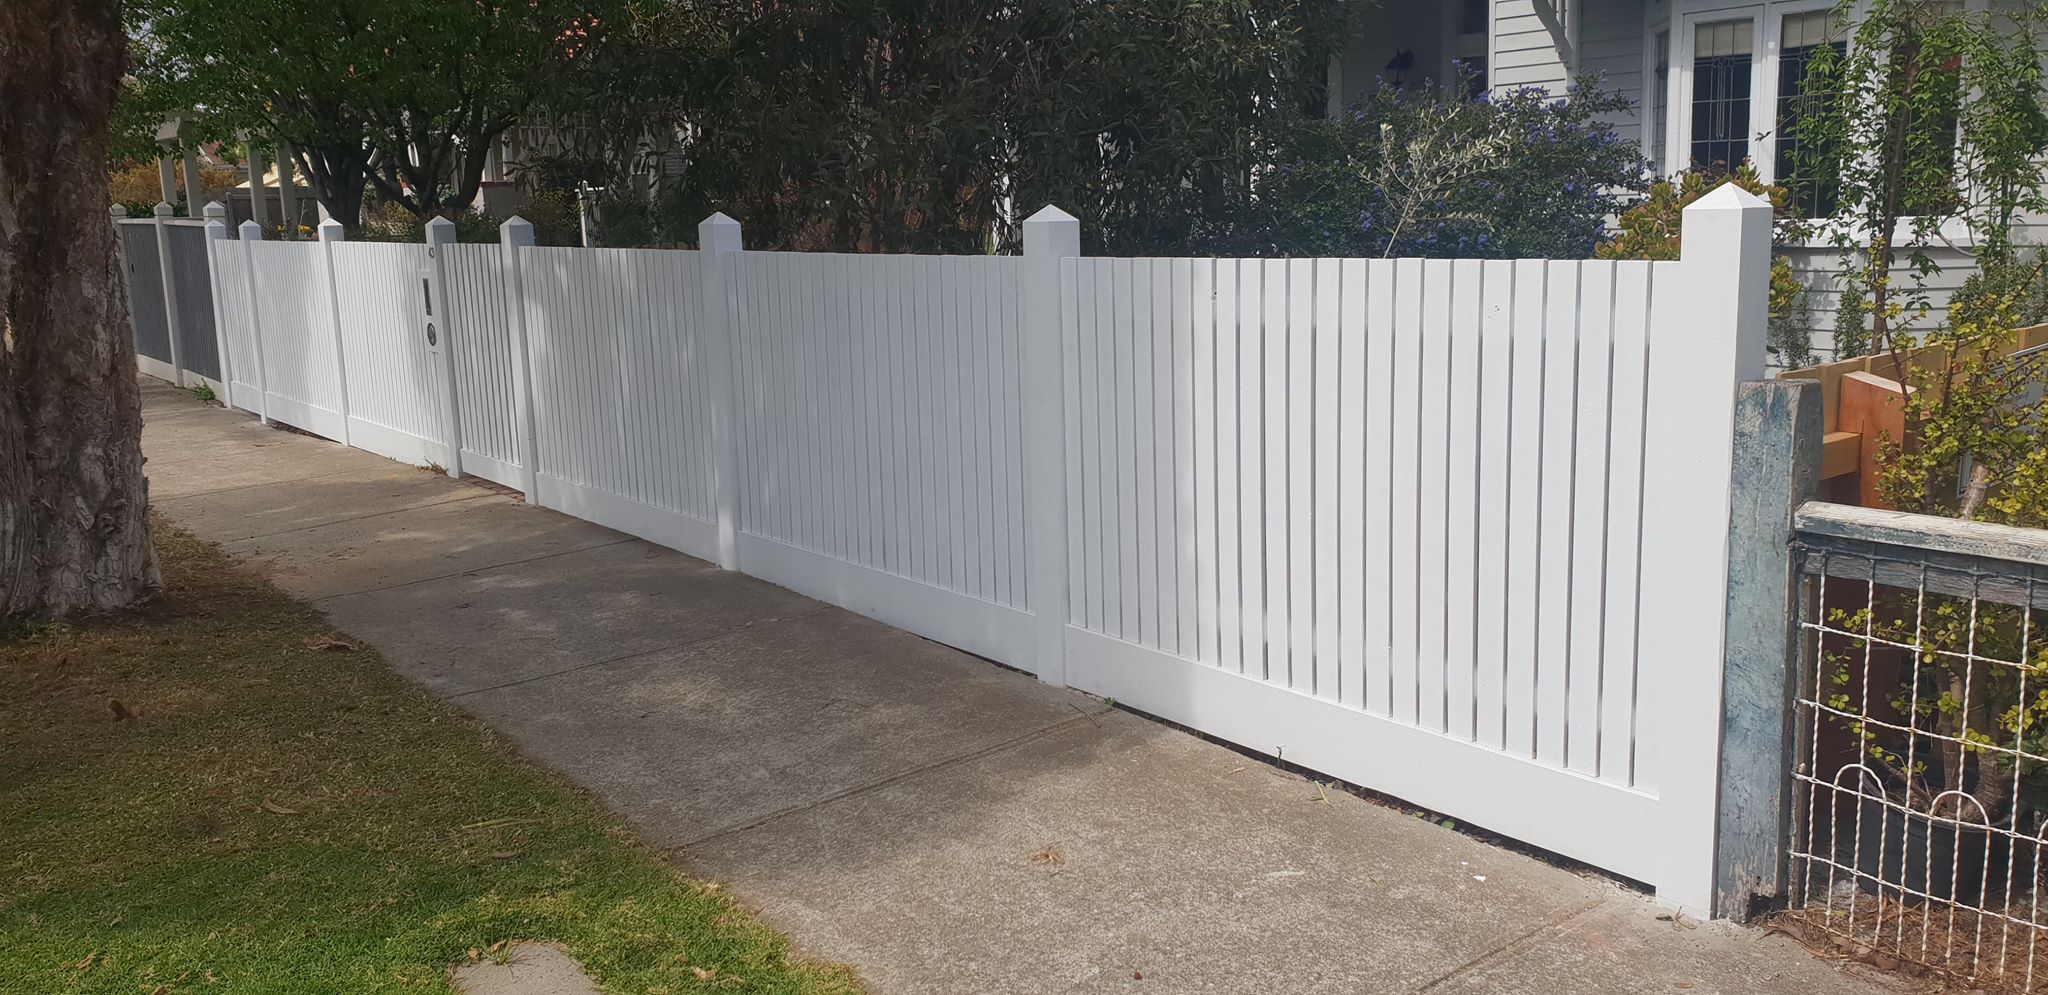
252 233
514 235
1709 332
330 233
440 333
217 231
718 238
1050 236
163 262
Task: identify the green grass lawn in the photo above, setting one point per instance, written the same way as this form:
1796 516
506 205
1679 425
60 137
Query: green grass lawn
283 817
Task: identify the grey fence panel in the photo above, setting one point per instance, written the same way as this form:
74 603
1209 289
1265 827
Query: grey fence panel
146 289
192 278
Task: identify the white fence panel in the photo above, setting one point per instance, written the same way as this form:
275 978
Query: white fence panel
295 317
480 339
620 391
394 394
231 304
1371 442
881 444
1400 521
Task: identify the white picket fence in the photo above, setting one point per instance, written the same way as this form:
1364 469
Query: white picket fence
1450 529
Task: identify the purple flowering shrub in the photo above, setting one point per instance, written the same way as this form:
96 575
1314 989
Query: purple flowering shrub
1431 171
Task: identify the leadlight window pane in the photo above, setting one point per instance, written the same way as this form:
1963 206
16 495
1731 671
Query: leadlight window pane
1721 64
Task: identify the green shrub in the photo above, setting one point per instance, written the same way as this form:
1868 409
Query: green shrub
1651 230
1433 171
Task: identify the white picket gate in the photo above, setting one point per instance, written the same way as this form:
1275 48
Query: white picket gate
1453 530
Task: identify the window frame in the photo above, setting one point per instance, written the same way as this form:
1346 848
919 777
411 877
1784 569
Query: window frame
1767 25
1682 16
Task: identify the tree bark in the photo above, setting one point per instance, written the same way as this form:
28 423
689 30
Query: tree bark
74 526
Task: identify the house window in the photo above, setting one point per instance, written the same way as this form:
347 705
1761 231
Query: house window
1472 17
1804 172
1465 24
1723 66
1660 98
1737 82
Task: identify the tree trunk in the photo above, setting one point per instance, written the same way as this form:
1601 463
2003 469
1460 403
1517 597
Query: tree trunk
74 527
337 174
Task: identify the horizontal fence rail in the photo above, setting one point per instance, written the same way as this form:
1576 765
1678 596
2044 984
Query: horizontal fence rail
1400 521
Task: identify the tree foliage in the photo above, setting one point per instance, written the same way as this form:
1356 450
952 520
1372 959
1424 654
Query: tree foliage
1930 122
927 125
404 95
1652 229
1428 171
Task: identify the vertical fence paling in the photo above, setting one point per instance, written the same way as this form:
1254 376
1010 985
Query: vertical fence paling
480 311
332 234
1468 513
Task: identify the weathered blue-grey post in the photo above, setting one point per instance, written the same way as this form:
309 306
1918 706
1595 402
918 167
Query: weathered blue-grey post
1776 468
163 261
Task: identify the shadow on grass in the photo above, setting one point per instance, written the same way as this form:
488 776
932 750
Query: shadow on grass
204 792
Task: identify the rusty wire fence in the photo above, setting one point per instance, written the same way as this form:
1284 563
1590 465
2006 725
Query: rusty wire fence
1921 807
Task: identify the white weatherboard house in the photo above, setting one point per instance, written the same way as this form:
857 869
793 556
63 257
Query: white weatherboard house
1710 80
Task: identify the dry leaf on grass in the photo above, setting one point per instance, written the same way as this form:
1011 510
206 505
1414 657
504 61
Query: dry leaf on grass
332 643
1050 856
86 964
276 809
505 854
122 712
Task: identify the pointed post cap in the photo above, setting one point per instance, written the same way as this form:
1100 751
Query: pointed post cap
162 210
1050 214
440 231
331 230
718 233
250 231
117 211
215 211
1052 232
516 231
1729 196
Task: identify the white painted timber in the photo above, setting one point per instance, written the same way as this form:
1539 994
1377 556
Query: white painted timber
1399 521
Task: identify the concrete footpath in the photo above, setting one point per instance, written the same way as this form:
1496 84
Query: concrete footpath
942 824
